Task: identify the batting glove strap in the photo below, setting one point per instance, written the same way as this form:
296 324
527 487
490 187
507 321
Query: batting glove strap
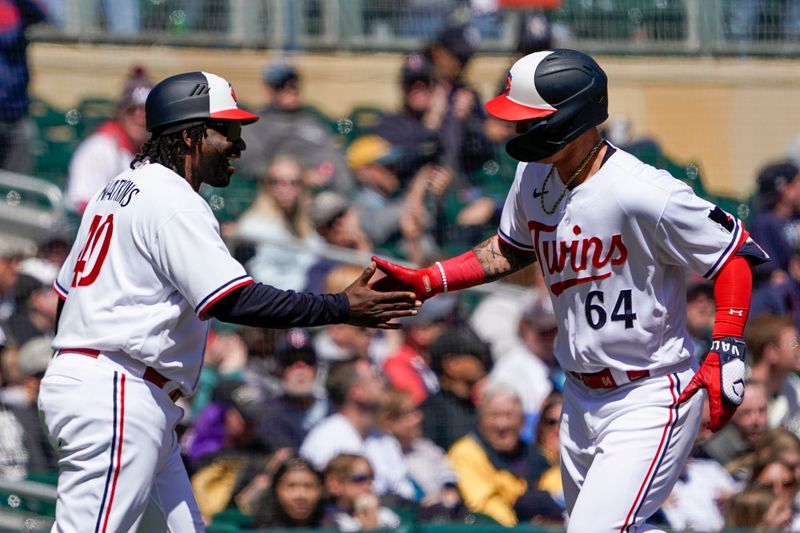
731 353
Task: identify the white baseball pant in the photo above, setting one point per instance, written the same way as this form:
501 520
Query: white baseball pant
120 468
623 449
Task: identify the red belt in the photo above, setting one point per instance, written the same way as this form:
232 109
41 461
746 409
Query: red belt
150 374
605 380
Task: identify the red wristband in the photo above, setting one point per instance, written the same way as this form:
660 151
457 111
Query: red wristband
732 290
456 273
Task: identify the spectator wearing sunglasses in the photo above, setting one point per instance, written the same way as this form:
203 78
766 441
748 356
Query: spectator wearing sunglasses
279 228
352 503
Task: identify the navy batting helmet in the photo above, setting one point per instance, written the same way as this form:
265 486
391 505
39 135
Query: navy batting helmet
186 99
565 89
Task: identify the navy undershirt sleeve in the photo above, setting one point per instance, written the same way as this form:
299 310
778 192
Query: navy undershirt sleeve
265 306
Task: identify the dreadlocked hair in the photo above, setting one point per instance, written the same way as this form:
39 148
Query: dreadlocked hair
169 149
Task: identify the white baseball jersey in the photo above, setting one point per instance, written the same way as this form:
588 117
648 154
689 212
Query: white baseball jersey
615 256
147 262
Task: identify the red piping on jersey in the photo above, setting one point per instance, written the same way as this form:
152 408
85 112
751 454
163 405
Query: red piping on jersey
742 238
230 289
119 450
58 292
655 458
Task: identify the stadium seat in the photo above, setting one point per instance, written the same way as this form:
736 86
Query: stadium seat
93 112
55 141
230 202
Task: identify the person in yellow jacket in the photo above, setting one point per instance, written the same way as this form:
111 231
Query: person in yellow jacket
497 473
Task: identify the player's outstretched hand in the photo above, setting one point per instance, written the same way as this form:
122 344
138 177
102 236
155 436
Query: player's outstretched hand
722 375
373 308
400 278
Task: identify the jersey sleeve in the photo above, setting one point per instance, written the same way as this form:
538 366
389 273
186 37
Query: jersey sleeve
63 280
513 221
191 254
694 233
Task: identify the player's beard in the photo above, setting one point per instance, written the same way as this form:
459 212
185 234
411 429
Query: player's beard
216 170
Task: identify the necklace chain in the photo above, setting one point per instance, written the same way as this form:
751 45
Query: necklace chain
569 181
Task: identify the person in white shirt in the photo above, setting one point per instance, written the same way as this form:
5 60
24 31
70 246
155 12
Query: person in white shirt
530 367
109 150
357 391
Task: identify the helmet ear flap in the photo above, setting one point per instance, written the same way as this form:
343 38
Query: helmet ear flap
551 134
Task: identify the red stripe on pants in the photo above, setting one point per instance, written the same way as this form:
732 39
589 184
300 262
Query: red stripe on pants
655 459
119 450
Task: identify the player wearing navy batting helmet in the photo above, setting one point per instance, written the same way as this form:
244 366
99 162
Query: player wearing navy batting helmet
147 270
615 240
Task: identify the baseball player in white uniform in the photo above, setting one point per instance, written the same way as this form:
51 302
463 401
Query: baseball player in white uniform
615 239
147 269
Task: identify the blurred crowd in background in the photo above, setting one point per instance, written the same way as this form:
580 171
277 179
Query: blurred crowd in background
454 417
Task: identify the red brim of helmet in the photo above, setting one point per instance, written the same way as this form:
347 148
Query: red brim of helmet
504 108
235 114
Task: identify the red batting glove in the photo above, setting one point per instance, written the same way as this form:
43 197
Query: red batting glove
424 283
722 375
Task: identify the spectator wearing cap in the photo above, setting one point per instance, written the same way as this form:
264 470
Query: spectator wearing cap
36 305
110 149
288 417
408 369
279 227
415 129
288 126
398 218
498 474
530 367
339 226
456 111
461 362
776 223
700 308
34 356
408 128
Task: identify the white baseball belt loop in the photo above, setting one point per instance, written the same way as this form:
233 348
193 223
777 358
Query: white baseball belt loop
444 277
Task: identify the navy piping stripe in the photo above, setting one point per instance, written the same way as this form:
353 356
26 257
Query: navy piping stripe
664 454
724 254
62 289
215 291
111 463
513 242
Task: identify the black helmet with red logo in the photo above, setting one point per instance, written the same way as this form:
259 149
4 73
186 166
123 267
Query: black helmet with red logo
564 89
186 99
